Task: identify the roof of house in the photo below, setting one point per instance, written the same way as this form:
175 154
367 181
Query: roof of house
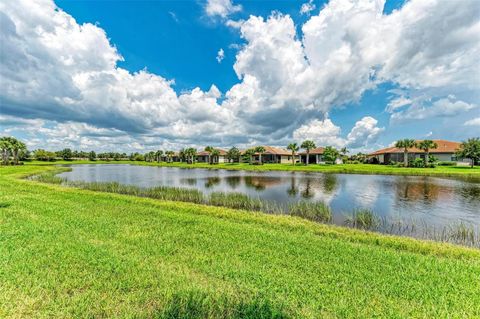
271 150
315 151
205 153
443 146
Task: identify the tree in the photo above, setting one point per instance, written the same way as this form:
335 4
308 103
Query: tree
294 148
233 154
92 156
169 155
260 150
42 155
158 155
66 154
5 147
426 146
209 150
344 151
308 145
249 154
215 155
190 154
16 147
405 144
330 154
470 149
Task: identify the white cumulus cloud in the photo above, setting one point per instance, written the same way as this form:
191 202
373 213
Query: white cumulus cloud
222 8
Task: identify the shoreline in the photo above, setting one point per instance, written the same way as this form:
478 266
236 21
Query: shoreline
360 169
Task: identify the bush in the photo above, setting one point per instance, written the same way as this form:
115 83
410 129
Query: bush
418 162
446 163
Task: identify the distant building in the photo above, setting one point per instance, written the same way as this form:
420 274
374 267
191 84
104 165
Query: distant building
315 156
444 152
273 155
203 156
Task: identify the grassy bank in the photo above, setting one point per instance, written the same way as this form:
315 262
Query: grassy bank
66 252
447 171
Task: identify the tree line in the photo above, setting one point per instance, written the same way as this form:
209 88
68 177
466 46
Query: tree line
13 151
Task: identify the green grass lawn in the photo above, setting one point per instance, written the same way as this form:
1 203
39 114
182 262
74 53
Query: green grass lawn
66 252
341 168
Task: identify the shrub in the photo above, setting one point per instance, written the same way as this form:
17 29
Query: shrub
446 163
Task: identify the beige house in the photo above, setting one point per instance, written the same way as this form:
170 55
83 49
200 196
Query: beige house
203 156
315 156
445 152
273 155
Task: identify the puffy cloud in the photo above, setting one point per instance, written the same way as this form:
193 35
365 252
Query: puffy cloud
364 133
220 55
321 132
222 8
307 7
444 107
473 122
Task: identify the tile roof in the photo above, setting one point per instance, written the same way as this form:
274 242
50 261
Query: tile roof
315 151
205 153
443 147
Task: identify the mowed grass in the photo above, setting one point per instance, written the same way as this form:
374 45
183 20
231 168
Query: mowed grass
453 171
66 252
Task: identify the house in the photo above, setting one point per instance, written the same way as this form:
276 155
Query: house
174 158
203 156
444 152
273 155
315 156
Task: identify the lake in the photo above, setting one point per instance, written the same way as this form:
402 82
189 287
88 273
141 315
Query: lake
436 202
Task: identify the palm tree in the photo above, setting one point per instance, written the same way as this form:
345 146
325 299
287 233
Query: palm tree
190 154
209 150
215 154
426 146
169 155
158 155
260 150
405 144
250 152
308 145
16 147
5 147
294 148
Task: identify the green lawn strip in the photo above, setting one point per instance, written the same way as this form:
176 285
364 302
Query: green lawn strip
445 171
66 252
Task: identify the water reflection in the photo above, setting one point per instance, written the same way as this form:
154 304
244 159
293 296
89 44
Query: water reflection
307 191
436 200
233 181
329 182
292 191
212 181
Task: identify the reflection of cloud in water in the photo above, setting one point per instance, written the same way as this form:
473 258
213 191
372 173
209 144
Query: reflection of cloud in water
366 194
320 188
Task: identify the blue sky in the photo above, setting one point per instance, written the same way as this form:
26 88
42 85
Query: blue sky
138 75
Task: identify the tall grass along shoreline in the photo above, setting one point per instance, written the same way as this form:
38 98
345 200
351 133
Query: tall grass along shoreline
320 212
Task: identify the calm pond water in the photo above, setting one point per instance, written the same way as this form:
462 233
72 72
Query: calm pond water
436 201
